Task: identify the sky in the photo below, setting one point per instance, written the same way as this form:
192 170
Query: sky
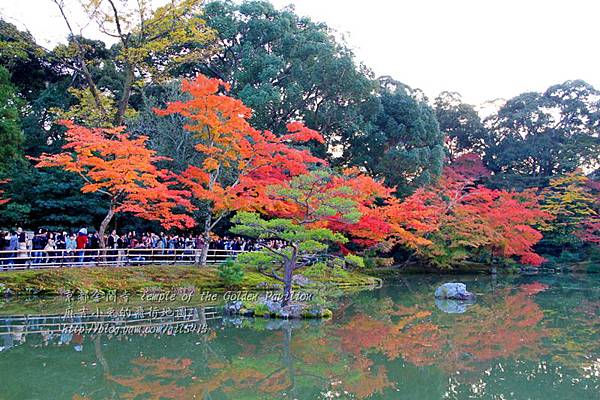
483 49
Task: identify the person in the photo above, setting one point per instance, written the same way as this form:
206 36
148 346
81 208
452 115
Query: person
132 240
70 246
161 244
22 249
13 246
122 245
111 244
50 249
61 246
4 254
38 243
82 240
93 244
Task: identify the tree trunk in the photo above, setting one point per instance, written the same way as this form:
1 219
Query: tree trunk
206 235
290 266
103 226
124 102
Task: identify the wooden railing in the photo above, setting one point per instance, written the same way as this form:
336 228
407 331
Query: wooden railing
45 259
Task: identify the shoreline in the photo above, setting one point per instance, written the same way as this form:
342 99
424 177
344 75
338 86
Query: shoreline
136 279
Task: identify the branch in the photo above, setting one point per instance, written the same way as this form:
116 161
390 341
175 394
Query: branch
81 60
124 38
280 254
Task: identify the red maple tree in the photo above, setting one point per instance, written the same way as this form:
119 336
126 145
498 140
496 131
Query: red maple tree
474 219
385 219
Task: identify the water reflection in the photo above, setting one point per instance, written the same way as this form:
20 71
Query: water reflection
523 339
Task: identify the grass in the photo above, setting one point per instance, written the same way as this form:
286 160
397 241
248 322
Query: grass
136 279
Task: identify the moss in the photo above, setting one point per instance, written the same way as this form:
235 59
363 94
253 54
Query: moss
137 278
259 313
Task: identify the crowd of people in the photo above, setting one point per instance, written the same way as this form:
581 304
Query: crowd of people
18 248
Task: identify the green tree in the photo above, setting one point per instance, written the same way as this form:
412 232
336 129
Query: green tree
572 202
535 136
286 67
151 44
461 124
231 273
166 133
11 135
30 65
404 144
307 203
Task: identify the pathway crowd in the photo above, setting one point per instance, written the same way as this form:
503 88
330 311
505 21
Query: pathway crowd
19 247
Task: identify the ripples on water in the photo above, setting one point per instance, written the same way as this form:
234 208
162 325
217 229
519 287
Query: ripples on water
525 338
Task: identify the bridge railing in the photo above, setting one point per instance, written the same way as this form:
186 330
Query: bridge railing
45 259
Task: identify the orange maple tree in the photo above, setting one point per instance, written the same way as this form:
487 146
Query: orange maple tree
240 161
122 168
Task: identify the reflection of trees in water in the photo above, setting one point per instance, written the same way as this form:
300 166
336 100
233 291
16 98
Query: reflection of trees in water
502 344
155 378
301 361
464 346
511 326
506 327
577 345
343 358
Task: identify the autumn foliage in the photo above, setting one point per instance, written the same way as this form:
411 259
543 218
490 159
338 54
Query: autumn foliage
245 169
228 141
574 202
124 169
385 219
240 161
488 223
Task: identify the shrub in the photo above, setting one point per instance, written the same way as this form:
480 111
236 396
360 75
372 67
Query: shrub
261 310
231 273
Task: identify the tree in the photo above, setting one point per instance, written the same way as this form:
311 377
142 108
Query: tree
122 169
574 205
11 135
152 43
461 124
404 145
306 203
239 161
2 199
537 135
477 222
286 67
31 66
166 133
385 220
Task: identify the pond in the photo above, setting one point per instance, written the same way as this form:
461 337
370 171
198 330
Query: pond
529 337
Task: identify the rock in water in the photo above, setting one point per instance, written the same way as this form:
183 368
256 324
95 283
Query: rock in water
453 291
233 308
